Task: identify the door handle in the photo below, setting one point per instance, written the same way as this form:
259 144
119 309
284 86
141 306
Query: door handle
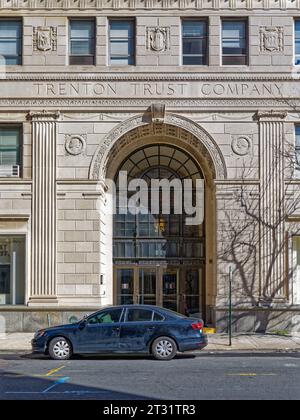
117 329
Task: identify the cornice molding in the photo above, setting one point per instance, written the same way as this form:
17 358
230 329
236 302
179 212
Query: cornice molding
190 104
132 5
148 77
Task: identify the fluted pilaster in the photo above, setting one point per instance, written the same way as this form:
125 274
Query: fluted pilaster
43 261
272 205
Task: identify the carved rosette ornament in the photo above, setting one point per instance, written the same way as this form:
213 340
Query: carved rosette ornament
271 39
44 39
75 144
241 145
158 39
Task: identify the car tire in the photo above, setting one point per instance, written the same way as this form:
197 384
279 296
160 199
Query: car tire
60 349
164 348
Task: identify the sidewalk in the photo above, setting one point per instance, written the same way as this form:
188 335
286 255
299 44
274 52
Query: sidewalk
20 343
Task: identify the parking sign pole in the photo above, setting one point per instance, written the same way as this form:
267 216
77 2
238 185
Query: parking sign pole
230 307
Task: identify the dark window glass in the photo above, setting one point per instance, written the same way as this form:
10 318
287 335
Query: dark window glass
194 42
157 317
139 315
106 317
297 42
9 151
82 42
10 42
122 42
234 42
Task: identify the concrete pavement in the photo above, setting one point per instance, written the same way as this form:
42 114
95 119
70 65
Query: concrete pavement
20 342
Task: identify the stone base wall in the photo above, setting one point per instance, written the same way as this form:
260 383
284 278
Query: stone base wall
259 320
31 320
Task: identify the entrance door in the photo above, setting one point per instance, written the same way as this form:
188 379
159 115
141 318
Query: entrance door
175 288
148 286
170 289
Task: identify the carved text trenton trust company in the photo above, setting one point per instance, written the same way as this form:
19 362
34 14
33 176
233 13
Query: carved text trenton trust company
160 89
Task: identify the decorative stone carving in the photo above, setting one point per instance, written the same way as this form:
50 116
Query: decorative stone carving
158 39
158 113
241 145
189 131
75 144
44 38
271 39
145 4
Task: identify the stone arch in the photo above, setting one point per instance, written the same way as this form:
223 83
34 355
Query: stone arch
137 132
174 127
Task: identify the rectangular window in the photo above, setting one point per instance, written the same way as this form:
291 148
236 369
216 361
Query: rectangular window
122 42
82 42
297 42
10 151
194 42
235 42
10 42
12 269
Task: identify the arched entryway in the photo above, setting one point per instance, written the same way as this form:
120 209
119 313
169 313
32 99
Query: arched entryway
147 279
159 259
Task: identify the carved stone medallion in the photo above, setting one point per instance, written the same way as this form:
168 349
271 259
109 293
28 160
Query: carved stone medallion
75 145
271 39
44 38
241 145
158 39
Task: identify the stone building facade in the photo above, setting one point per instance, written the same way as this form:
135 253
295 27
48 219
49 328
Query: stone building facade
234 116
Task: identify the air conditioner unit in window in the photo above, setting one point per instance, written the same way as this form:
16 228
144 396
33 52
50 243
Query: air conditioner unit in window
9 171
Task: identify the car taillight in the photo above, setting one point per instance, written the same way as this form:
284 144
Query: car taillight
197 326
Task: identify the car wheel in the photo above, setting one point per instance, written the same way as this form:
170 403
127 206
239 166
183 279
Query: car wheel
164 348
60 349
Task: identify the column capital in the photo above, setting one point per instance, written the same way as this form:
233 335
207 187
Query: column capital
43 115
270 115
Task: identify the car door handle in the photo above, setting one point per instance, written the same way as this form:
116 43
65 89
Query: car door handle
117 329
151 328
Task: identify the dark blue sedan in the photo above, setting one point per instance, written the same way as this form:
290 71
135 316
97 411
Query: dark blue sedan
124 329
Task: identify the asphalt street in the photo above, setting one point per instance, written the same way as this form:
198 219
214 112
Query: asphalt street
203 377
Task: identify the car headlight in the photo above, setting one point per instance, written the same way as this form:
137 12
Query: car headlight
39 334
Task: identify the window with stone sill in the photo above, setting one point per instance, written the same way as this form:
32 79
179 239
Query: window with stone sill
121 42
10 151
194 42
234 42
82 42
297 42
10 42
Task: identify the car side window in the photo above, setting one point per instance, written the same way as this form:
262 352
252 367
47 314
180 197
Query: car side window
139 315
106 317
157 317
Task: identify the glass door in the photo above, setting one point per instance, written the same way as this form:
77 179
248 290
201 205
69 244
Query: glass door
125 286
191 286
170 289
147 286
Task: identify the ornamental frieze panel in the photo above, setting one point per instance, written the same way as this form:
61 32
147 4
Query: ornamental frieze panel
44 39
158 39
150 4
271 39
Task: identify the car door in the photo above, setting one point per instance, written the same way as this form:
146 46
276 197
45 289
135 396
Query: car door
137 330
101 332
